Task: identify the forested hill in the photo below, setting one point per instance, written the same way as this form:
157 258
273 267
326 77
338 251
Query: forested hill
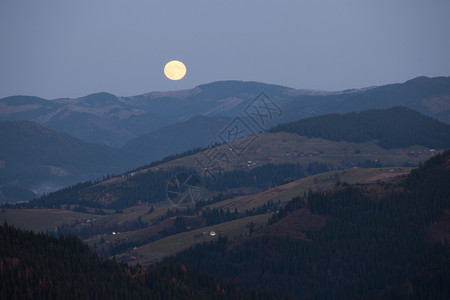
38 266
375 241
395 127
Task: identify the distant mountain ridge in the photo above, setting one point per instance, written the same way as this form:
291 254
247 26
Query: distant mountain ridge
106 119
429 96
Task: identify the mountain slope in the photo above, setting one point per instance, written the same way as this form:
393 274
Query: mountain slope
114 121
25 108
429 96
35 158
197 132
396 127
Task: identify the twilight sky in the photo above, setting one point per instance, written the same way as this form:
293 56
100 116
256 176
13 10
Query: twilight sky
54 48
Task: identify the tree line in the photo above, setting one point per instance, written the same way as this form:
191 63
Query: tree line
39 266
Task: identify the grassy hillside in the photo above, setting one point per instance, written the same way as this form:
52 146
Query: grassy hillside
98 228
321 182
42 220
265 154
282 147
156 251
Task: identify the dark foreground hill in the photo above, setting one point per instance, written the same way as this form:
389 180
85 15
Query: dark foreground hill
396 127
377 241
38 266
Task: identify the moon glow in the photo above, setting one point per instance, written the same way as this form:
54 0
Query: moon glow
175 70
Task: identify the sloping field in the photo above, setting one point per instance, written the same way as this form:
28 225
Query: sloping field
320 182
156 251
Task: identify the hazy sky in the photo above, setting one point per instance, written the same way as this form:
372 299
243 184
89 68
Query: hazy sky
68 48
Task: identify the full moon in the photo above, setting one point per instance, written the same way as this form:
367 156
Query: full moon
175 70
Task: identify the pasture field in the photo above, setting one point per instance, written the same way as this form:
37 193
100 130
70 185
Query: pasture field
154 252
